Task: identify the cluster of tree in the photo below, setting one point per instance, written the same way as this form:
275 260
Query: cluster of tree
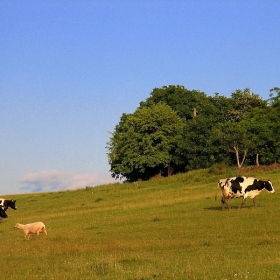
177 130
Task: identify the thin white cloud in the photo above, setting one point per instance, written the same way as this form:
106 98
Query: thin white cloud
53 180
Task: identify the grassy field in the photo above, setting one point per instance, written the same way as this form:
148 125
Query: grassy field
167 228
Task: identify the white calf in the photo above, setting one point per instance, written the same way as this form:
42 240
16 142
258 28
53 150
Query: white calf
34 228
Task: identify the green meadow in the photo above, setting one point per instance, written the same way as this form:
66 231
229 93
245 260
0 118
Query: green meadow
165 228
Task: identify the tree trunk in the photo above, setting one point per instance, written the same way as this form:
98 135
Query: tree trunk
169 171
236 149
194 112
244 157
236 155
257 159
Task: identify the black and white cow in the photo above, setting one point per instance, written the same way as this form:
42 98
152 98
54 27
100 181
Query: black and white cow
242 187
4 205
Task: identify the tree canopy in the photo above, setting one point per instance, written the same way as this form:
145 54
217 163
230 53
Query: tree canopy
176 130
145 143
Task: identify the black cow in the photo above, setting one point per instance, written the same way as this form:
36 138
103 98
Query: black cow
4 205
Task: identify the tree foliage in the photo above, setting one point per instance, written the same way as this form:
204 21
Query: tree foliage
176 130
145 143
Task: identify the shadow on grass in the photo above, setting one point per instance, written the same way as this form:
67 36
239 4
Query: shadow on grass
219 208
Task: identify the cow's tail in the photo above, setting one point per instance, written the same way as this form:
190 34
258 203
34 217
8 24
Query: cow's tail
219 188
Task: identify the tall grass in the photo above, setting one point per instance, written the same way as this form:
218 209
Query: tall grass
167 228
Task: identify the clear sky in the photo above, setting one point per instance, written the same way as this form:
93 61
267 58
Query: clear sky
69 69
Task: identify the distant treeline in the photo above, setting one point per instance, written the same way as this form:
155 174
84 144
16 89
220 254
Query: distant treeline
177 130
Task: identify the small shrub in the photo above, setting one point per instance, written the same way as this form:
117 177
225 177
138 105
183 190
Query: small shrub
218 169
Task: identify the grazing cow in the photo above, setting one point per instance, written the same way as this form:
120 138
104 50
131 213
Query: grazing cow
242 187
4 205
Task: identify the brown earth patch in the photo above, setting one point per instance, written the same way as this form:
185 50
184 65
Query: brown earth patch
244 170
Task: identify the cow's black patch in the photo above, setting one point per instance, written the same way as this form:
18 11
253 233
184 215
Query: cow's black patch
9 203
3 213
257 185
5 204
235 184
239 179
268 186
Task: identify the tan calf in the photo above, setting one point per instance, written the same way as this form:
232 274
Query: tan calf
34 228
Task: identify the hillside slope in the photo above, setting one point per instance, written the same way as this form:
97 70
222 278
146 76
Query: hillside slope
166 228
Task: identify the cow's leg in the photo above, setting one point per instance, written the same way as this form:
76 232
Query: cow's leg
242 203
223 204
229 208
255 202
225 201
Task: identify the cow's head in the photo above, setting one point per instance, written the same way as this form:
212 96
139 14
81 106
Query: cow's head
12 204
269 187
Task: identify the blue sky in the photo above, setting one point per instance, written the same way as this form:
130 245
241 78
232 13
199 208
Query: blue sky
69 69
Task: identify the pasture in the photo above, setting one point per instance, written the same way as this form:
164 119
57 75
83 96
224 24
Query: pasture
166 228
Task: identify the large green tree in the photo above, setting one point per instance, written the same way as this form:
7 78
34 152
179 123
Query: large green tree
240 131
145 143
176 130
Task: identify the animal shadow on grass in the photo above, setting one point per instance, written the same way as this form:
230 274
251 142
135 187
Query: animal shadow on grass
235 207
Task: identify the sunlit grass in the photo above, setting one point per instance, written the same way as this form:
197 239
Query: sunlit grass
167 228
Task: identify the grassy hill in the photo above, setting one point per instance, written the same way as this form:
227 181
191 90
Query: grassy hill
167 228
